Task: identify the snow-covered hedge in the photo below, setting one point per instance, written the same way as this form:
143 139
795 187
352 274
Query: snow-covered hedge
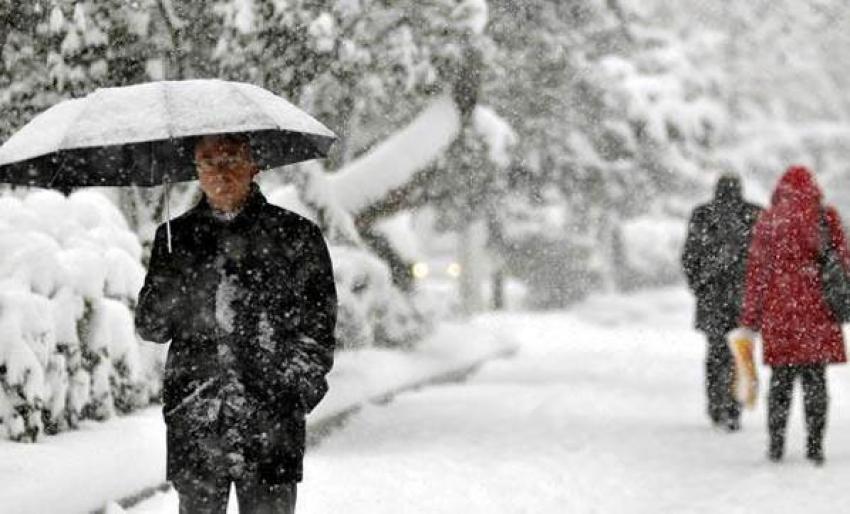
69 273
372 312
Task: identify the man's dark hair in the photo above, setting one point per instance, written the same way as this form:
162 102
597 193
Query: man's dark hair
728 187
237 139
230 138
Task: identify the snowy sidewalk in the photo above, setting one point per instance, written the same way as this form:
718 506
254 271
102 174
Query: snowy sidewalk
73 471
601 411
80 471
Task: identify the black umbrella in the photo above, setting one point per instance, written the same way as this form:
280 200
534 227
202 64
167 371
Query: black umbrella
145 134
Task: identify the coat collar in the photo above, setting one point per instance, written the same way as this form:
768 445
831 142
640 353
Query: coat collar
248 215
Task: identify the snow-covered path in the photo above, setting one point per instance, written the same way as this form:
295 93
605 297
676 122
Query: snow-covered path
601 411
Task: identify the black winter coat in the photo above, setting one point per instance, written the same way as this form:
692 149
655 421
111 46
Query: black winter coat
715 256
279 343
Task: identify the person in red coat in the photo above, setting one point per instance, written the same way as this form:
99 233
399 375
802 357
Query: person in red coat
784 301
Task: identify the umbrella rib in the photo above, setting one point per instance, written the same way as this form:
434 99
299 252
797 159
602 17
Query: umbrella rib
258 107
57 172
79 115
168 128
62 148
166 103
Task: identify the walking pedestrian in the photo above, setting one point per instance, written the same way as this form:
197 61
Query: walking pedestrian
714 261
784 301
245 293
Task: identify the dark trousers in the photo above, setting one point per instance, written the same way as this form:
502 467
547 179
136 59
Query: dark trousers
254 497
815 400
719 374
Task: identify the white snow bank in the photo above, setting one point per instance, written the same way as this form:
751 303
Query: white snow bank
361 375
78 471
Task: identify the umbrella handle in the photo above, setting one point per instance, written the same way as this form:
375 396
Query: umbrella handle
166 196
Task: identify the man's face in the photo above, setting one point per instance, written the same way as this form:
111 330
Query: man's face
225 169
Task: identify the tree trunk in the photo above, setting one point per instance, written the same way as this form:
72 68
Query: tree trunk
473 266
606 254
498 285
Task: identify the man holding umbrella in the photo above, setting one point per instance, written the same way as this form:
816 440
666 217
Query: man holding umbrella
243 290
248 300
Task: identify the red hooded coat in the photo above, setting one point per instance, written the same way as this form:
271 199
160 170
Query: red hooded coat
783 298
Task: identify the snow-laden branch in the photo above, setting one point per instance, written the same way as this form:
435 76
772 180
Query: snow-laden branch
173 19
395 161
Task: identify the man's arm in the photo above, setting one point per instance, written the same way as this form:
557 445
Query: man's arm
314 351
836 232
694 251
156 299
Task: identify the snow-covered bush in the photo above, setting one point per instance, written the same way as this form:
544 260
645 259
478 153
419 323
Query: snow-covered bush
371 310
362 282
69 273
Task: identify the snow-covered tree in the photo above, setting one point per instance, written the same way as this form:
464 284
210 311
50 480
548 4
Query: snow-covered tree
24 86
615 113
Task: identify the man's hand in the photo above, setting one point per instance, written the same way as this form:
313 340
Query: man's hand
306 376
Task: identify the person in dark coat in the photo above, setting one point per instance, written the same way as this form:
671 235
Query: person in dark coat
247 298
784 301
714 261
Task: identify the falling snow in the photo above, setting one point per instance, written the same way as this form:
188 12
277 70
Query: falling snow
542 171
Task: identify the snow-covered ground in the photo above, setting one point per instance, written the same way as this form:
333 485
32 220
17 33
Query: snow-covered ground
601 411
79 471
68 472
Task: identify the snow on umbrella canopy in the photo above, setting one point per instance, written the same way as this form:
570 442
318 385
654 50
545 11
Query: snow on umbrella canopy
145 134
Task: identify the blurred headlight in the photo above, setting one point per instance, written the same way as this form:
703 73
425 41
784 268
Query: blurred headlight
420 270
